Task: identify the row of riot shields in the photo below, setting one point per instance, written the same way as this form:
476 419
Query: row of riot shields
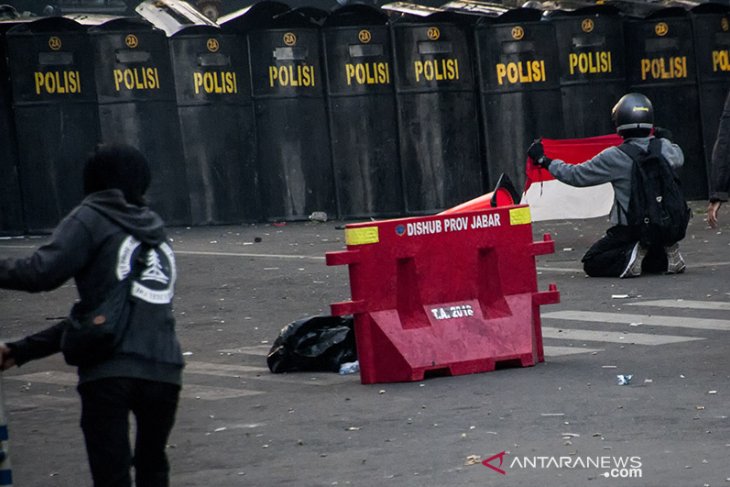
276 113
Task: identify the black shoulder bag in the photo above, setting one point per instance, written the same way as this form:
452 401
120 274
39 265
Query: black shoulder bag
90 338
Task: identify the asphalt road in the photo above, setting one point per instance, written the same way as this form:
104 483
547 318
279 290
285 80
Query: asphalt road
565 422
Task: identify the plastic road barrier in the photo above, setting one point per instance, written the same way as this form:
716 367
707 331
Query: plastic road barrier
448 294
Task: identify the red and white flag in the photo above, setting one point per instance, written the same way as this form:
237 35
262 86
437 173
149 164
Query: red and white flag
549 199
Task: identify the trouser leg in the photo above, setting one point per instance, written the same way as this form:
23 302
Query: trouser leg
105 424
154 409
610 255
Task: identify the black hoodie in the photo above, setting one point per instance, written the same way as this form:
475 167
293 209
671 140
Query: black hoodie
94 244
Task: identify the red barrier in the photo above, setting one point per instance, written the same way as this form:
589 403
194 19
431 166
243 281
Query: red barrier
445 295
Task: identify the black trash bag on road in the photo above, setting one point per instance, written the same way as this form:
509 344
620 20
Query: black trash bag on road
317 343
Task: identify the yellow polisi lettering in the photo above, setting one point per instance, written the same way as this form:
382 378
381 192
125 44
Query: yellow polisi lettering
57 82
664 68
299 75
223 82
720 60
521 72
132 79
367 74
590 62
436 70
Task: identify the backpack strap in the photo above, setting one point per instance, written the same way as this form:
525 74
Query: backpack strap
633 151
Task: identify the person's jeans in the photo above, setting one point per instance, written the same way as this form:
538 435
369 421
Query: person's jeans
105 408
609 256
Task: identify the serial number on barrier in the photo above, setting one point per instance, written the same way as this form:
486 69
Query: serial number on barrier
451 312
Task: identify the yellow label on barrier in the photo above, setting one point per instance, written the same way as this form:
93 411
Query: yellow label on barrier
361 236
520 216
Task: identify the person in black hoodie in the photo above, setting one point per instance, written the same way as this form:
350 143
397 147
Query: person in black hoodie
96 244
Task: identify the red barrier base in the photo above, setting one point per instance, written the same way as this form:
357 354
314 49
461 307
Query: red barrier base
390 353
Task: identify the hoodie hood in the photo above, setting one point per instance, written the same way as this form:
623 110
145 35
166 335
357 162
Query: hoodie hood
139 221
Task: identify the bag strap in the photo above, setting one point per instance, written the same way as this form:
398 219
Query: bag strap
633 151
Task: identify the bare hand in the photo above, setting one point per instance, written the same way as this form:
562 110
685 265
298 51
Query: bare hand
6 361
712 210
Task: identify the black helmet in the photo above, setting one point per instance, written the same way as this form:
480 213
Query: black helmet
633 115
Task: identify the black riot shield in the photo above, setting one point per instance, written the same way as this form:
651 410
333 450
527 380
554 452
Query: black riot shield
216 120
519 88
438 123
362 115
55 115
711 27
11 204
136 103
293 157
661 65
590 46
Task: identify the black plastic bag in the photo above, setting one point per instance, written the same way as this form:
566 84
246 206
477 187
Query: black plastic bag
318 343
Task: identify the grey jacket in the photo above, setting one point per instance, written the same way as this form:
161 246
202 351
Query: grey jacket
95 245
612 166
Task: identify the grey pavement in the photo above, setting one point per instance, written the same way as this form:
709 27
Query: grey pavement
564 422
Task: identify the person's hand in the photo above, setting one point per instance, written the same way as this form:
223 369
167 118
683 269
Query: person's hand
6 360
712 210
662 133
536 152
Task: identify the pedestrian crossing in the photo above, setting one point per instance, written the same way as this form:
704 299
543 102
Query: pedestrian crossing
613 336
638 320
565 332
679 329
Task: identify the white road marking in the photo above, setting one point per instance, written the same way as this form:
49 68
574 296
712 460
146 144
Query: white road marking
258 350
614 336
222 370
653 320
189 391
24 401
554 351
209 393
685 304
241 254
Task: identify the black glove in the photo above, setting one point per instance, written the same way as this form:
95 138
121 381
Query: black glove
537 154
662 133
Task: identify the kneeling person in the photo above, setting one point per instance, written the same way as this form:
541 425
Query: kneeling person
619 253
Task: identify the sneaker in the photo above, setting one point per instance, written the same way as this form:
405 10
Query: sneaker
675 262
633 268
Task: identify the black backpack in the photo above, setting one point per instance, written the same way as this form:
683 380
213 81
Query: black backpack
657 208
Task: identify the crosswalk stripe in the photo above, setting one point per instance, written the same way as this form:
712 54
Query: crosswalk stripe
554 351
613 336
32 401
54 377
249 373
189 391
209 393
259 350
222 370
685 304
653 320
